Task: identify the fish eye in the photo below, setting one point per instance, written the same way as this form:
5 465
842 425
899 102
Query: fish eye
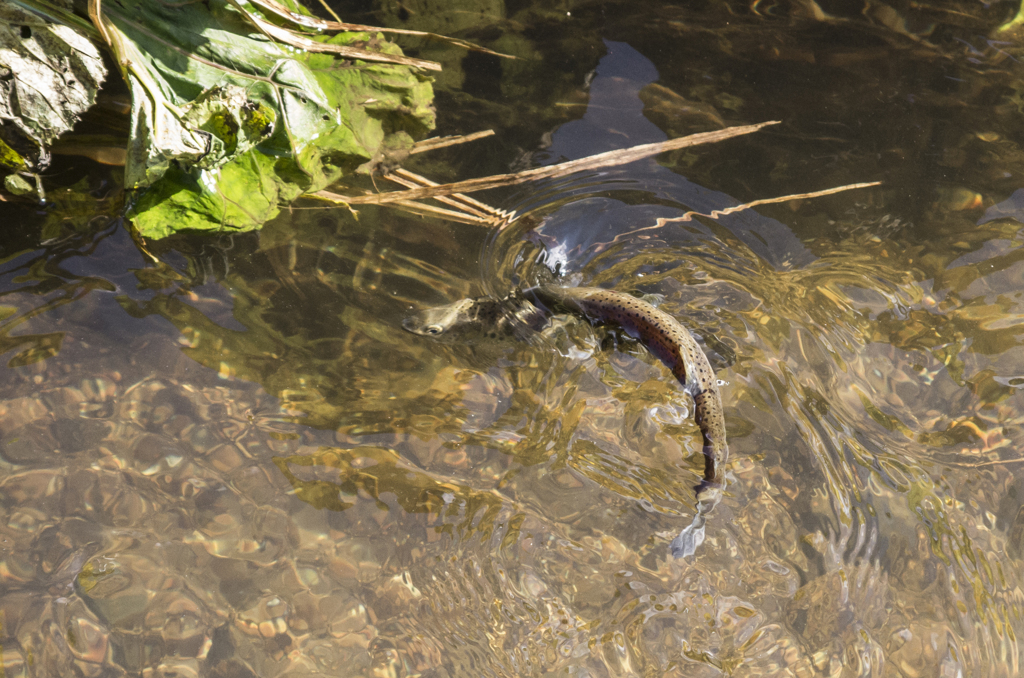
433 329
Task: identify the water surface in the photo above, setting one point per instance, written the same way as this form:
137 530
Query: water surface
231 461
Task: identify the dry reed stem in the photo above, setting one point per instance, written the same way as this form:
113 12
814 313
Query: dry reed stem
609 159
460 200
440 142
715 214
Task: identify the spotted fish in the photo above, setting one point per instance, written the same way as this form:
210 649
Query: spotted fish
668 341
662 334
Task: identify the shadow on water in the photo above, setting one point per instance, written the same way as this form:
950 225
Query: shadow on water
235 462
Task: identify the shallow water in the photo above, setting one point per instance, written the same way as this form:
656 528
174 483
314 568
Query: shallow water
234 462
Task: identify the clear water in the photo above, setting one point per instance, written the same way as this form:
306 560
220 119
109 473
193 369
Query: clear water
233 461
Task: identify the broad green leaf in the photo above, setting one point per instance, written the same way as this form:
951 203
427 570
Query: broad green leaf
227 125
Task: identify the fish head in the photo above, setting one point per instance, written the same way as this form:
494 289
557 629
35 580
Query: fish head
478 318
436 321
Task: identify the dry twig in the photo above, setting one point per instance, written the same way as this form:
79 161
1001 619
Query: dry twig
609 159
471 211
715 214
434 143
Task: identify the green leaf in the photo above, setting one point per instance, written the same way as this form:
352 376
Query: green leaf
246 194
18 185
10 158
53 74
227 125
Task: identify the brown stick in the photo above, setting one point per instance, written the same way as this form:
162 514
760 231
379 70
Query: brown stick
462 217
440 142
463 202
715 214
609 159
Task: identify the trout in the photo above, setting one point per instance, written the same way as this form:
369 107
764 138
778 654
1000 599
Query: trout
668 341
658 331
